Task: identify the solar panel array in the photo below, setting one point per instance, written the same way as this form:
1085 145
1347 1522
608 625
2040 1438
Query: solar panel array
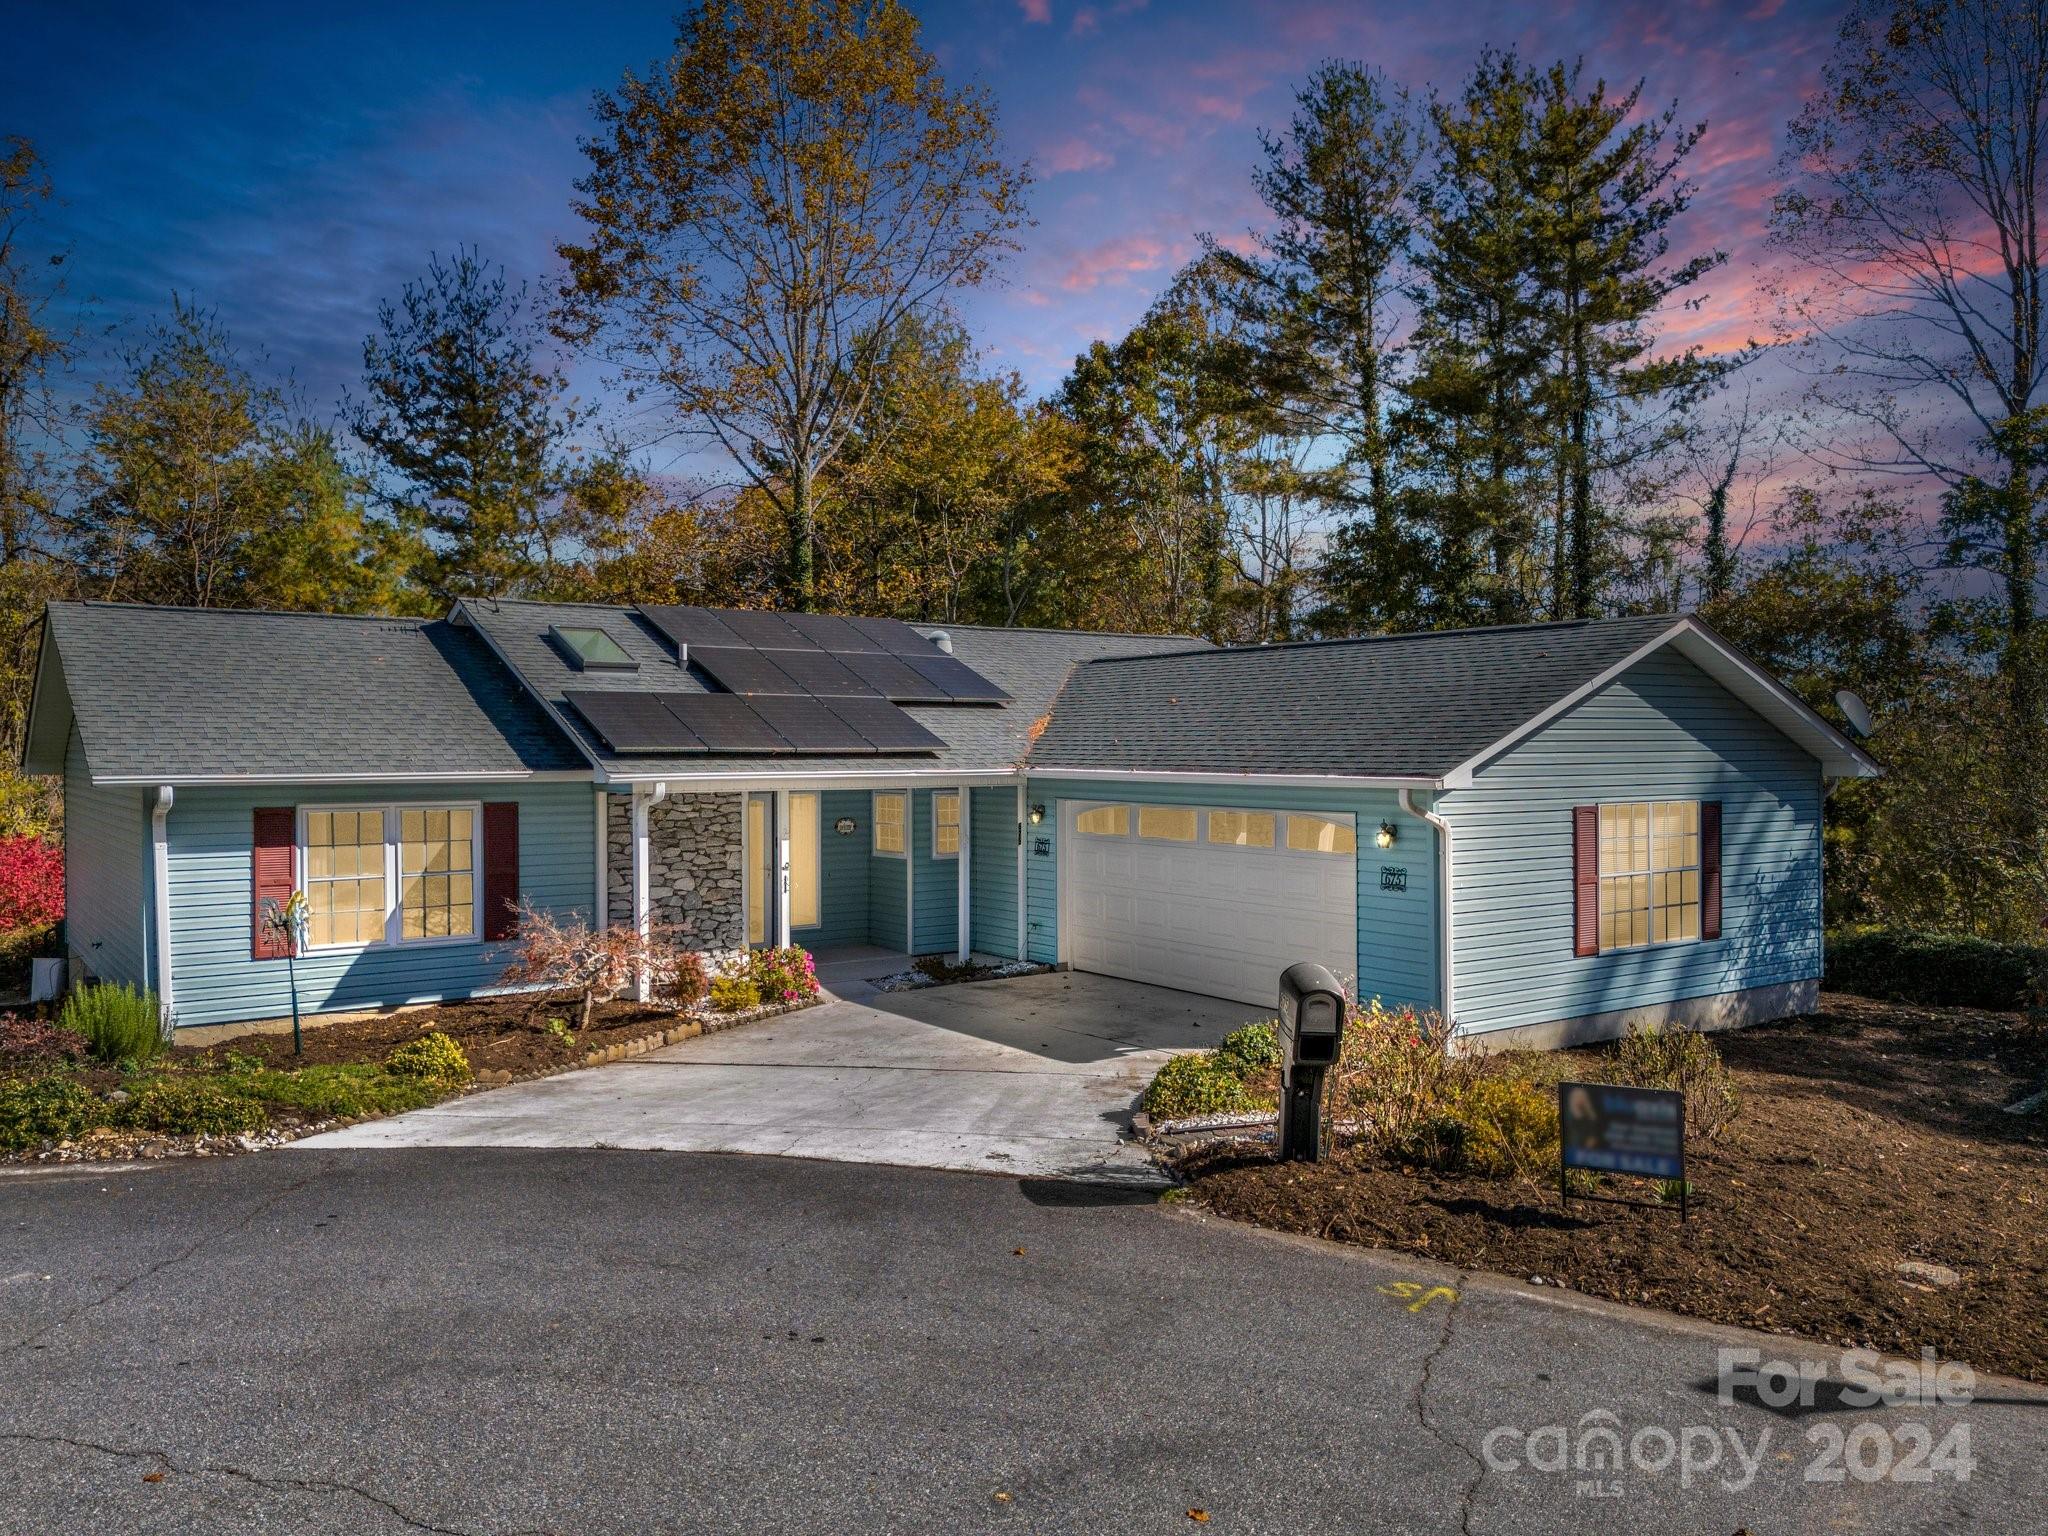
820 656
661 724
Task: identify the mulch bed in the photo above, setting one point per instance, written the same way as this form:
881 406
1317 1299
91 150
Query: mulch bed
1869 1134
497 1034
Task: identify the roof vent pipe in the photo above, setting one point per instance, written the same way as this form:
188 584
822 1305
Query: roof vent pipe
942 640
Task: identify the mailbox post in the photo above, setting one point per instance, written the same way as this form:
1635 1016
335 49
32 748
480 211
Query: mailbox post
1311 1032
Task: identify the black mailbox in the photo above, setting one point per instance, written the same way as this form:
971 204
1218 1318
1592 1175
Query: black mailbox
1311 1035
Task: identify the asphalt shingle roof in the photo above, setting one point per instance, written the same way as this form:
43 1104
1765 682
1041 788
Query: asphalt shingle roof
1028 664
1397 706
190 693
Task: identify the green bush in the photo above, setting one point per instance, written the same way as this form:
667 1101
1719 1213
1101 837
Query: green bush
194 1106
38 1109
120 1023
1251 1048
1940 970
735 994
1201 1083
787 975
433 1058
340 1090
1510 1127
1686 1061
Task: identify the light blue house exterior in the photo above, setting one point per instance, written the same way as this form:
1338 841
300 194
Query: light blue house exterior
1464 823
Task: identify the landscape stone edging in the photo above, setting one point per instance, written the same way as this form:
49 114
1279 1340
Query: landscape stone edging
640 1045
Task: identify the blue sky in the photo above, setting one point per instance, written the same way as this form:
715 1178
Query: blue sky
290 167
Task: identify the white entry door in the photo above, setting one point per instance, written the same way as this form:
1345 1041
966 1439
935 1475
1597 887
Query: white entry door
1209 900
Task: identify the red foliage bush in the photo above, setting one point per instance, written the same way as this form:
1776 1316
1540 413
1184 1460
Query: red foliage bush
31 883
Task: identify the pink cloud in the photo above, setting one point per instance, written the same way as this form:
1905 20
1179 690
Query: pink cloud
1037 11
1086 20
1115 259
1075 154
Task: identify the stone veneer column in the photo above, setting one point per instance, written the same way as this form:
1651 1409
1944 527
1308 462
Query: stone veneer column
693 872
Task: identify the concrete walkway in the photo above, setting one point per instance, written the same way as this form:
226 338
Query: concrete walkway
1033 1075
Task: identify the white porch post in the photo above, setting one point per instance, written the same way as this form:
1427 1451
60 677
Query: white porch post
781 868
966 873
645 798
160 901
601 901
1022 833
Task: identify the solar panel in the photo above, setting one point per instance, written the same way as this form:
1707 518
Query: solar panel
829 632
886 726
893 636
963 685
810 725
634 722
764 631
685 625
894 679
743 670
826 676
726 723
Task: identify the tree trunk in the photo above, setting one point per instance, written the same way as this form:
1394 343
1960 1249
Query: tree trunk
2023 663
803 527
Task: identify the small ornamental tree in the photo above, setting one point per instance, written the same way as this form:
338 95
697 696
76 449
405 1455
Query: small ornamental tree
31 883
569 956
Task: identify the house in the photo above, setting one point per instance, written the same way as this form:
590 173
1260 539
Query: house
1547 831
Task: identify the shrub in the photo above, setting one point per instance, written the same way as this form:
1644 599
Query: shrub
21 946
568 956
686 983
1509 1127
194 1106
735 994
39 1109
340 1090
31 883
785 975
1398 1078
36 1040
1684 1060
120 1023
1200 1083
1940 970
1253 1048
432 1058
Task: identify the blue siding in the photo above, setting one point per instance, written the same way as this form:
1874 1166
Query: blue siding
936 888
885 892
843 864
106 873
992 850
1397 930
1663 730
215 980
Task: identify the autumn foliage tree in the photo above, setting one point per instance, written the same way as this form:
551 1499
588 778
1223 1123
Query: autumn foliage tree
566 955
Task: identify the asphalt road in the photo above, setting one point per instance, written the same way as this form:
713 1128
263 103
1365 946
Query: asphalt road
488 1340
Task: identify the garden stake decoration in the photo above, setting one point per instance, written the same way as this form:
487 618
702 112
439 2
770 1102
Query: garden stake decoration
290 921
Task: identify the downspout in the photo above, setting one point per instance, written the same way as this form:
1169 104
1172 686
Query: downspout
1445 870
160 866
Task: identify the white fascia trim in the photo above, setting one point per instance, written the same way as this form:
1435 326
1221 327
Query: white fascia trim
189 781
1274 780
1717 653
730 782
460 615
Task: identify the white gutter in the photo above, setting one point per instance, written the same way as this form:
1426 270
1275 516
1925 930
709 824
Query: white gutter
193 781
796 778
1272 780
160 864
1446 870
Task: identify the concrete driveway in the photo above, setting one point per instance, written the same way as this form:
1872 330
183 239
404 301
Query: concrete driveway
1033 1075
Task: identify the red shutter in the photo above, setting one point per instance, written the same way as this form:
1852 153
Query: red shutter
272 879
1585 879
501 869
1710 869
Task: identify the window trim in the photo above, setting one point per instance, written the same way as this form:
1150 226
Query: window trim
1602 879
937 851
391 811
875 848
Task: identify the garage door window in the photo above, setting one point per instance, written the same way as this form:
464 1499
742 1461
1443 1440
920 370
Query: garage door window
1166 823
1241 829
1104 821
1318 834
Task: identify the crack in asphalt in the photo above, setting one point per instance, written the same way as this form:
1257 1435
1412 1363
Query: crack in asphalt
1419 1401
239 1224
268 1484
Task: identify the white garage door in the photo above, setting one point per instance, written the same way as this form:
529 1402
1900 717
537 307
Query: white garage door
1207 900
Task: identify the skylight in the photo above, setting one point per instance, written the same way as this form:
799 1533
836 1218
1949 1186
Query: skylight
591 649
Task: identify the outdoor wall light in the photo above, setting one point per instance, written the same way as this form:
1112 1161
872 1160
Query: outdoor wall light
1387 835
1037 814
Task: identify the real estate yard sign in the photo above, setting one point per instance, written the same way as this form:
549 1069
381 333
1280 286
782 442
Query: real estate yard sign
1604 1128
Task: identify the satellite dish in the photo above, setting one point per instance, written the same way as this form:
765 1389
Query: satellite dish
1855 710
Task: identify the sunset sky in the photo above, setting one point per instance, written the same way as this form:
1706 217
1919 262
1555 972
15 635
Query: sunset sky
290 167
